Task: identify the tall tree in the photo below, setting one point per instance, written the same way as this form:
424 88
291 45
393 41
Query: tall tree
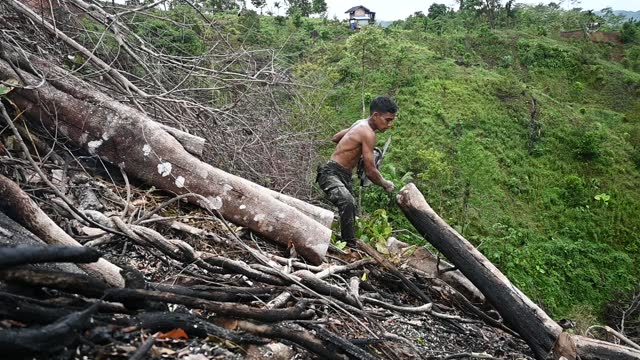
490 8
259 4
303 7
318 7
221 5
437 10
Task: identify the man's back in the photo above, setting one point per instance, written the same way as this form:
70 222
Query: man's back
349 148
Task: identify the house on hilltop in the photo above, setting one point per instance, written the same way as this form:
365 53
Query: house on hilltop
359 16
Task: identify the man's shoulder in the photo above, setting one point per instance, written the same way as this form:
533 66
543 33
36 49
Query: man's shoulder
363 129
362 126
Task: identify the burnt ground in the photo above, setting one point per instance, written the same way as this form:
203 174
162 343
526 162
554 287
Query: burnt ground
120 330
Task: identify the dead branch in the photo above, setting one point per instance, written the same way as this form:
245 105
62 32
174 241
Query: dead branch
609 330
392 269
221 309
300 337
193 326
28 254
219 294
46 339
142 351
17 204
69 282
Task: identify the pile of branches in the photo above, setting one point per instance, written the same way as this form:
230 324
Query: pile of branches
195 285
243 101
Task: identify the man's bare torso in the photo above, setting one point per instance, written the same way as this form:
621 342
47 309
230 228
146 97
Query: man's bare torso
349 149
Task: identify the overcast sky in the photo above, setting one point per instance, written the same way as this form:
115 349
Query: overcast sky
400 9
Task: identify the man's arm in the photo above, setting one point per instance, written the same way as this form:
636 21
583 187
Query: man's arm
340 134
368 143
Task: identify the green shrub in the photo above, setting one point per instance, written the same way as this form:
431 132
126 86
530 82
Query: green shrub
635 157
172 38
544 55
374 228
561 271
574 191
629 33
588 143
577 91
632 58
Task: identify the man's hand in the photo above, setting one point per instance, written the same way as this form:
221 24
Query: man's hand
388 186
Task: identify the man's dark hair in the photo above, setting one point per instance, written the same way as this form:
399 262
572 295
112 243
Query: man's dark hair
383 104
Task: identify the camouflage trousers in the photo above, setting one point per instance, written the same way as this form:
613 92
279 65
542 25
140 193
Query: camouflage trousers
335 181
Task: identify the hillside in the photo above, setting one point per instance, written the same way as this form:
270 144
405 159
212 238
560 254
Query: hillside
628 14
525 142
466 127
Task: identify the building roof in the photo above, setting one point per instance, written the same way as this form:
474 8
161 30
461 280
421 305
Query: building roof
353 9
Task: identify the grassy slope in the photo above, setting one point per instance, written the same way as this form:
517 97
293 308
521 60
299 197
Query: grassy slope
465 104
534 215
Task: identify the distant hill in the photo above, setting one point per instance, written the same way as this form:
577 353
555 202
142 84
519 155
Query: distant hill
628 14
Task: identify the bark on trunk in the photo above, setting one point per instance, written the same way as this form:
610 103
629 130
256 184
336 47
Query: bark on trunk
17 205
423 260
592 349
193 144
519 312
127 138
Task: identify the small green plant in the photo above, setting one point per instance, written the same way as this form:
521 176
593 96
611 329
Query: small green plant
577 92
8 86
375 229
340 244
604 198
635 157
574 191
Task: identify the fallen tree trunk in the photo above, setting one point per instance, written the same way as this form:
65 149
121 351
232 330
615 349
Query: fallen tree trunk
17 205
520 313
190 142
128 138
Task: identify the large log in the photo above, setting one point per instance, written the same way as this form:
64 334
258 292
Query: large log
16 204
128 138
191 143
519 312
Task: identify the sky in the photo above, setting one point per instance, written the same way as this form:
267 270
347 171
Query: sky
400 9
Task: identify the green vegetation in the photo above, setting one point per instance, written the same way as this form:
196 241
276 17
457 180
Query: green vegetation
559 216
525 142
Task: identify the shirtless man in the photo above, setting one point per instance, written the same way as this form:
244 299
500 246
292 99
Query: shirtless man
359 140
